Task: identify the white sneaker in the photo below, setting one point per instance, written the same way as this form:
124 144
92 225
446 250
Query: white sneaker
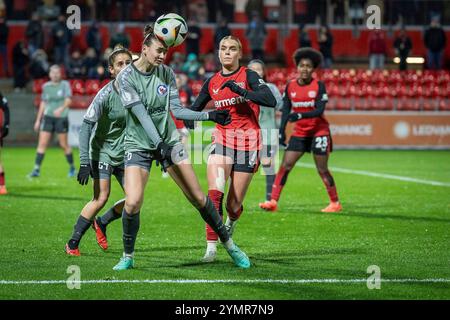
209 256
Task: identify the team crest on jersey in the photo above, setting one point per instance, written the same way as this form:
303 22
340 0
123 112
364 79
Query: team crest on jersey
60 93
215 91
162 90
241 84
312 94
293 94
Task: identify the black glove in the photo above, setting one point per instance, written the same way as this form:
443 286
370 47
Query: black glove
163 151
282 137
221 117
190 124
234 87
83 174
294 116
5 131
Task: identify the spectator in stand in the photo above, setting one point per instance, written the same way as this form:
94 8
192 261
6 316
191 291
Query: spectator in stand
62 37
177 62
221 31
39 66
402 46
94 38
193 37
20 61
76 68
303 37
120 37
325 40
192 67
256 34
377 49
435 41
4 33
90 63
34 34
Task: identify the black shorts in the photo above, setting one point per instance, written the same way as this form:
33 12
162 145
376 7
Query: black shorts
320 145
53 124
103 170
243 161
144 159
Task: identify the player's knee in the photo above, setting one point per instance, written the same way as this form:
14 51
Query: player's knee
288 166
198 200
133 205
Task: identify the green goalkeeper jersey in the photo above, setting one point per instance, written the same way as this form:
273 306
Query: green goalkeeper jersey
155 90
107 144
54 94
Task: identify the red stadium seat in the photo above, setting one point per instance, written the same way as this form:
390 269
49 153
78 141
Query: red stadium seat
92 86
77 86
104 83
408 104
344 104
37 85
37 101
429 104
444 104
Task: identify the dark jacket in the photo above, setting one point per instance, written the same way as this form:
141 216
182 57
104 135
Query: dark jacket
35 34
435 39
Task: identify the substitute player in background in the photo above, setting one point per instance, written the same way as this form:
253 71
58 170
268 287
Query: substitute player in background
4 130
236 145
306 97
102 156
53 117
148 92
268 128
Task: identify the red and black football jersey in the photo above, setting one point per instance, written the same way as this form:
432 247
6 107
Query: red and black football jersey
243 133
304 99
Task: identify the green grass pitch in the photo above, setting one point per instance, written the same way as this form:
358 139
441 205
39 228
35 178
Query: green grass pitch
400 226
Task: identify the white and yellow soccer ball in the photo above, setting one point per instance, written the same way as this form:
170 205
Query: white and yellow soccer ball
171 29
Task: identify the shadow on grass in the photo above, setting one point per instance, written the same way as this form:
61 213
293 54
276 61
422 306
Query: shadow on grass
353 211
44 197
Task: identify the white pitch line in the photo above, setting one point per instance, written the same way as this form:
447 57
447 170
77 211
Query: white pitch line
201 281
379 175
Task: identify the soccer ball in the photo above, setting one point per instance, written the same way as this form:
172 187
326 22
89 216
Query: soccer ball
171 29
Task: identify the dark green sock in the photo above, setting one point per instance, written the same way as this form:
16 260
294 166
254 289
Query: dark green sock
78 231
211 217
130 224
109 216
38 160
69 158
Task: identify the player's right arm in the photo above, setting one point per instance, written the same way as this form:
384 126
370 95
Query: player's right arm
91 117
39 115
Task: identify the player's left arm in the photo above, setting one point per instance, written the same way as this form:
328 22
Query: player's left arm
259 93
320 103
5 108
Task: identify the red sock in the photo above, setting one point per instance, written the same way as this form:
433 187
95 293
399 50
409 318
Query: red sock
328 180
216 197
2 178
280 181
235 215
